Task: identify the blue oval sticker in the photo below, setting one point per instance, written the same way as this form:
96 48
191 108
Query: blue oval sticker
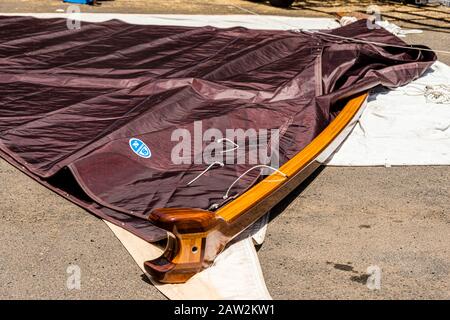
140 148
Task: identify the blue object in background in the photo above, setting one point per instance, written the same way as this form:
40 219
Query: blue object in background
79 1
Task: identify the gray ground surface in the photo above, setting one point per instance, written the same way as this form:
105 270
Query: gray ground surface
319 244
348 219
42 234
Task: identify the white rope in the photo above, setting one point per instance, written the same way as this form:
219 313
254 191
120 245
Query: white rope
381 44
252 168
206 170
434 93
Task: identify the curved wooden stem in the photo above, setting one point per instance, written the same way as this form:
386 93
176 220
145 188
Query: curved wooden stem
197 236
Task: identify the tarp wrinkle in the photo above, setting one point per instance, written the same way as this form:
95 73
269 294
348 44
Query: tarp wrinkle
74 99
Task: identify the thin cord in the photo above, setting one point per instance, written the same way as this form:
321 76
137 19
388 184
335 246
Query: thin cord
206 170
242 175
381 44
296 29
435 93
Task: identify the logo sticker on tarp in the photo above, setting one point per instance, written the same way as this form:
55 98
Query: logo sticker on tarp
140 148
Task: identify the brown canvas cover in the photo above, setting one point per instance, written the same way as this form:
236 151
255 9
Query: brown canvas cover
71 100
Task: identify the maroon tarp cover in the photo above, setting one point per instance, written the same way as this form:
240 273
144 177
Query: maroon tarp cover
71 100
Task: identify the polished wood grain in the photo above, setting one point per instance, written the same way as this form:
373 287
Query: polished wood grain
183 220
184 255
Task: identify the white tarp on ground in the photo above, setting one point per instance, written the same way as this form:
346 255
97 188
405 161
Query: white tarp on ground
219 21
235 275
401 127
395 129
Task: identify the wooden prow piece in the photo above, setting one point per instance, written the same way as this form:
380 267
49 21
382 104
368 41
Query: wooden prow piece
192 238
